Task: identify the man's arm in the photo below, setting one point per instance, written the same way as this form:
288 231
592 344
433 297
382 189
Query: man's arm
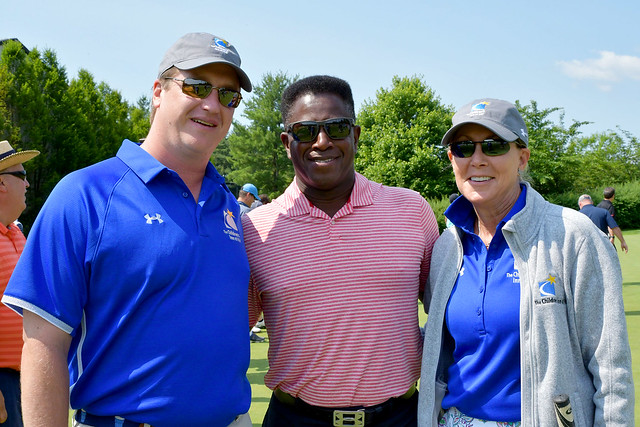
44 373
610 235
618 233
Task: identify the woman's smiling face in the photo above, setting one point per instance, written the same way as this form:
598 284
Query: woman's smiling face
488 181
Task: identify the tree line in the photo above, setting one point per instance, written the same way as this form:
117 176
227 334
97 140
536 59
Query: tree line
73 123
78 122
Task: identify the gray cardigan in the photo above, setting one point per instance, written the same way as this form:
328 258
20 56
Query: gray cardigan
573 334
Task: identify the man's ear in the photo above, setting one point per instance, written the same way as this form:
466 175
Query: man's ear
286 140
157 90
356 137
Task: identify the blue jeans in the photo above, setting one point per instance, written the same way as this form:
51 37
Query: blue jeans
10 387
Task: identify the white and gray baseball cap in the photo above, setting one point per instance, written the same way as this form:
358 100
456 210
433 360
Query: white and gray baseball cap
194 50
501 117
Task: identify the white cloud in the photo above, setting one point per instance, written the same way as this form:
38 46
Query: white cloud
609 67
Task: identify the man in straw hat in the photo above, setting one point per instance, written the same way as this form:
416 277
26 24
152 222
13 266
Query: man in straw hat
13 188
133 283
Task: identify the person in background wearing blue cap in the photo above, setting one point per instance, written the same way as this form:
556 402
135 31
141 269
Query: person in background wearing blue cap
524 297
246 196
128 318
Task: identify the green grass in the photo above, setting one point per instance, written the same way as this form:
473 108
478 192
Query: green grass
260 394
631 295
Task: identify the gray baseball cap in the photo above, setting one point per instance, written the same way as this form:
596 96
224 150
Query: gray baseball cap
501 117
194 50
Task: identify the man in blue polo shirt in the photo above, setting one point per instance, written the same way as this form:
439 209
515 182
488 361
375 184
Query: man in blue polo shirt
602 219
133 282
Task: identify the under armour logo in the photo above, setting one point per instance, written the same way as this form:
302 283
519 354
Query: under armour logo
151 218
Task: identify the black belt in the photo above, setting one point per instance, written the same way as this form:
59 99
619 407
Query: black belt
84 417
358 416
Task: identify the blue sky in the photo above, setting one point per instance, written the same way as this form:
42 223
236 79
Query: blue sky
583 56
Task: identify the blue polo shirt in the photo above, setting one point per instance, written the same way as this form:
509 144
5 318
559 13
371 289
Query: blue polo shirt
483 317
600 217
151 285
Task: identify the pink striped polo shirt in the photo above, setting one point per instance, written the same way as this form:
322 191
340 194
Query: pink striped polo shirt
11 245
339 294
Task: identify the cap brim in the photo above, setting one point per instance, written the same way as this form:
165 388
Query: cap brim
190 64
17 158
494 127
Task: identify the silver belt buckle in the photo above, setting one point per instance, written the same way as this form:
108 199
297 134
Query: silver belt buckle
348 418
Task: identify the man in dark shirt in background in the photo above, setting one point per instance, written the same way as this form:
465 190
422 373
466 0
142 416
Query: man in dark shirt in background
601 219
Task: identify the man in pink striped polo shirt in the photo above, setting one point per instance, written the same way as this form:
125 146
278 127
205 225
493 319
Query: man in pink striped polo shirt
347 254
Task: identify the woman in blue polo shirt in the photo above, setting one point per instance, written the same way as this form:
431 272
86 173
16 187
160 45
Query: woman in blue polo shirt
524 297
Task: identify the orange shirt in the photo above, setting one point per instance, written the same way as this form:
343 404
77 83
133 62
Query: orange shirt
11 244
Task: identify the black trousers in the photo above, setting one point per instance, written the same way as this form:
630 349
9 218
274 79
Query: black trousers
10 387
402 413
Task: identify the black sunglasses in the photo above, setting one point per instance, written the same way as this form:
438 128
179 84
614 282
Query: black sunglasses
201 89
19 174
307 131
490 147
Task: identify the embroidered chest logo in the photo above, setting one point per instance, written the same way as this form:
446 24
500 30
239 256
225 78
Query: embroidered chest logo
156 217
549 292
231 228
229 220
547 287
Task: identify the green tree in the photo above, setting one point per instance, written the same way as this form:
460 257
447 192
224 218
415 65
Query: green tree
551 169
140 118
255 151
38 109
400 140
603 158
7 130
72 124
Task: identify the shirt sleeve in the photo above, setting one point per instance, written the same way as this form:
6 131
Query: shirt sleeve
611 223
602 329
51 275
431 233
255 306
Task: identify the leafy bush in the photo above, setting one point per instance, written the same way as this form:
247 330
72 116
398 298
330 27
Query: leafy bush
627 202
439 206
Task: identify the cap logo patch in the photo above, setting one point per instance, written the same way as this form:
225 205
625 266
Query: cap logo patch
220 44
479 108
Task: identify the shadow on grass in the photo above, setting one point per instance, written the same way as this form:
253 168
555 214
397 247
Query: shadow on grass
256 377
631 284
260 364
632 313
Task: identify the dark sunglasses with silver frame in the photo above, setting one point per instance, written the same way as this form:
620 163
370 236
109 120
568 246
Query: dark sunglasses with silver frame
201 89
308 131
490 147
18 174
